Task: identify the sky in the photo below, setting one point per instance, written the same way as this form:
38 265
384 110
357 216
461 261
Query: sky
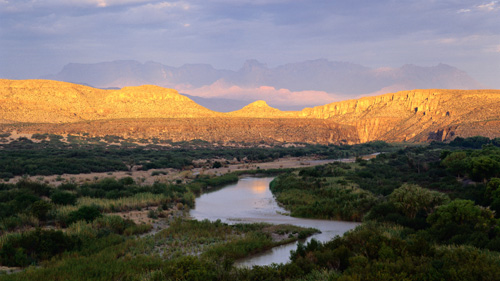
39 37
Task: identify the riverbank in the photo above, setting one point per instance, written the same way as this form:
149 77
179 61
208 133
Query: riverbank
169 175
250 201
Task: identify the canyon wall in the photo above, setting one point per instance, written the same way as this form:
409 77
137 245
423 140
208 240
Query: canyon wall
39 106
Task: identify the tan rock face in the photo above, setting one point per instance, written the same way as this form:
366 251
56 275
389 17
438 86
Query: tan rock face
417 115
260 109
152 111
37 101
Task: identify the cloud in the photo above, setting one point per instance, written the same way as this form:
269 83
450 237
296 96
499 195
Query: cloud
160 14
486 7
280 97
101 3
492 6
98 3
48 34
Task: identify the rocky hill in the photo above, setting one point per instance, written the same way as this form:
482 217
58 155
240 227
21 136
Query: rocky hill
262 110
44 101
417 115
43 106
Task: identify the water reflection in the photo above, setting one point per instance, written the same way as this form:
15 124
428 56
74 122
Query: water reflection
250 200
245 200
259 186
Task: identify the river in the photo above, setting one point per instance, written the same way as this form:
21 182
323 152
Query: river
250 200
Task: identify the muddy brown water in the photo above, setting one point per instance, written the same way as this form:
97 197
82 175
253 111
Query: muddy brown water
250 200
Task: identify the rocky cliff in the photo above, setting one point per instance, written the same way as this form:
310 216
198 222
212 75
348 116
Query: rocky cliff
417 115
38 106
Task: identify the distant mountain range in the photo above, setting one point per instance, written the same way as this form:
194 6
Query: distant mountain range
290 86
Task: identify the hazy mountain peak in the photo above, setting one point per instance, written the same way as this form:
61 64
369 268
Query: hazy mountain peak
314 77
252 65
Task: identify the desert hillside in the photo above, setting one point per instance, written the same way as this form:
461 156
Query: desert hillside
417 115
39 106
45 101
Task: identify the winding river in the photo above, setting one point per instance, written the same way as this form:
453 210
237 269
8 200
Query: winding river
250 200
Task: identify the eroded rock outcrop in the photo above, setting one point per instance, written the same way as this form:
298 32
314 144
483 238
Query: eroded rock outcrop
151 111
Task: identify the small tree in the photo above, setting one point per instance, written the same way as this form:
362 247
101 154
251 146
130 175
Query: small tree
409 199
493 194
461 218
40 209
484 167
456 163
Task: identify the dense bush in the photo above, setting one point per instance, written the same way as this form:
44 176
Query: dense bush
316 197
63 198
86 213
462 222
410 199
381 252
34 246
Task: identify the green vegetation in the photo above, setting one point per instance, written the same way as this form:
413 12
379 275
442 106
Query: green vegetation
428 212
53 156
388 252
322 198
88 242
431 215
26 203
187 250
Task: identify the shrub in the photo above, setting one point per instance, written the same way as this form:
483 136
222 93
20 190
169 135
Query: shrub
87 213
34 246
409 199
152 214
63 198
40 209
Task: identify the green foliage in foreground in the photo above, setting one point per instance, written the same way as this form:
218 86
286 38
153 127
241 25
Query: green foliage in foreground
406 188
30 247
35 246
80 210
424 220
382 252
131 259
371 252
410 199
